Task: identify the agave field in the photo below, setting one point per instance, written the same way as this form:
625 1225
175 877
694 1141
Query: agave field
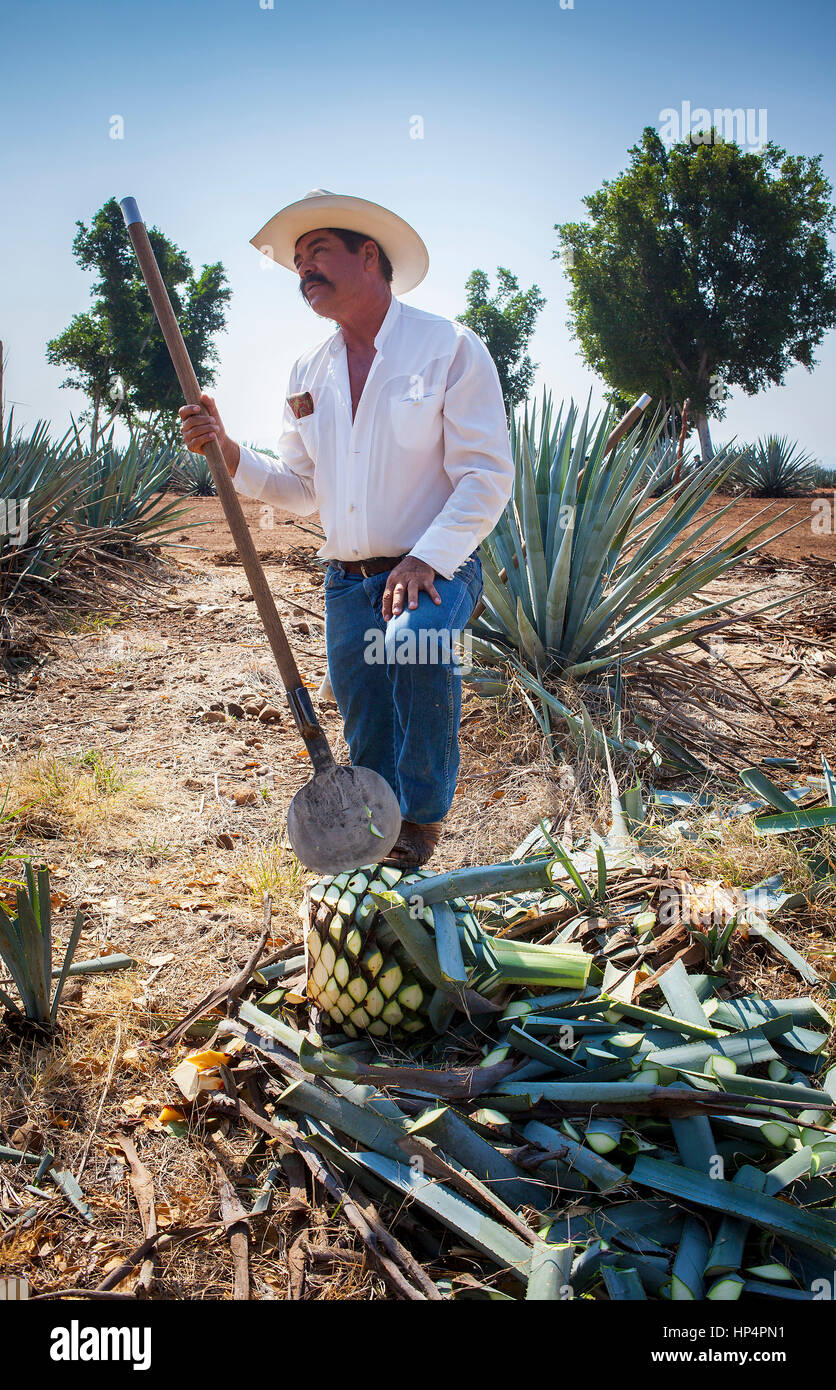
86 524
586 1054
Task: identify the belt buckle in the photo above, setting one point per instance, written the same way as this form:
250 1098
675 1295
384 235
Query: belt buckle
362 564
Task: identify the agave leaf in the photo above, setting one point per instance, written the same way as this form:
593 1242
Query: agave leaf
718 1194
726 1253
68 956
829 781
789 821
758 782
9 1003
687 1274
480 880
465 1220
444 1127
557 1062
447 942
578 1157
551 1271
681 996
529 639
558 590
535 568
289 1037
63 1179
758 927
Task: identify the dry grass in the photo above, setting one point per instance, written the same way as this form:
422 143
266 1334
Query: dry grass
82 795
730 850
271 870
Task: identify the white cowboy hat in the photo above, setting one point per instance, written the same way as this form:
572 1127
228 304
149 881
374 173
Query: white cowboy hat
402 244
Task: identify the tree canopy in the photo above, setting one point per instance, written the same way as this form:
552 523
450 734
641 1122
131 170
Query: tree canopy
703 267
115 352
505 325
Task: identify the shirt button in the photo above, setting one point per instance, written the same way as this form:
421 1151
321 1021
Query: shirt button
355 551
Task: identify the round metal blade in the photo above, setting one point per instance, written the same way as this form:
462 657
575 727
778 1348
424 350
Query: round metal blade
343 818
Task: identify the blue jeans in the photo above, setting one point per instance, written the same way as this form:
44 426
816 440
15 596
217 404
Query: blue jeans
398 685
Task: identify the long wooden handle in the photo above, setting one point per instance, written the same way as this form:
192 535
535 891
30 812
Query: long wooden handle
253 568
627 422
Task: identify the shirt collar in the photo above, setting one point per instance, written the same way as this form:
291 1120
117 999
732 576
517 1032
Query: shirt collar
388 324
338 342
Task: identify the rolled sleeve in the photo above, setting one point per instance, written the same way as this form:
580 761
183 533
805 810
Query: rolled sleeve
477 459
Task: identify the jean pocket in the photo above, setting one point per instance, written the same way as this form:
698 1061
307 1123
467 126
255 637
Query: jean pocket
334 575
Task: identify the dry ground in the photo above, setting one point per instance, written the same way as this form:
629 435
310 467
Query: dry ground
159 809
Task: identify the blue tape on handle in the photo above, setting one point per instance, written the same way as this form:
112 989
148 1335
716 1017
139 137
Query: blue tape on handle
130 211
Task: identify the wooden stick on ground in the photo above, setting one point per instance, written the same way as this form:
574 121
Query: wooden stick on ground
295 1218
143 1189
393 1260
236 1224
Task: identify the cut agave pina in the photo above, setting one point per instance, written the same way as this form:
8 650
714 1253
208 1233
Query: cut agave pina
372 965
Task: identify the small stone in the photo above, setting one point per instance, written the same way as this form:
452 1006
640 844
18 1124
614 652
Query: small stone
225 840
236 710
304 628
213 716
245 798
269 715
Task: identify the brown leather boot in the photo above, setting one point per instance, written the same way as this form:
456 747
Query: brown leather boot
414 845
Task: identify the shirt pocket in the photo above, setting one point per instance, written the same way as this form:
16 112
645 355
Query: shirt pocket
417 422
309 428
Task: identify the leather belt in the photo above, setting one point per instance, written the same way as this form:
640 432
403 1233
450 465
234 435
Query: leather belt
377 564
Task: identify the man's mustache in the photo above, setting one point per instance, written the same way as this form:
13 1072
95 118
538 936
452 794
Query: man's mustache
304 285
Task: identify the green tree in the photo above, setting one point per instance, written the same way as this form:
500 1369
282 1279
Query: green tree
505 325
115 352
703 268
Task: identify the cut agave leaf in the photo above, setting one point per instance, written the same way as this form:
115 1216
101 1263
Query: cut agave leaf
727 1289
687 1276
465 1220
718 1194
623 1284
551 1271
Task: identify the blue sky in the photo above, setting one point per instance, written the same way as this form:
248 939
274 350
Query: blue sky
232 109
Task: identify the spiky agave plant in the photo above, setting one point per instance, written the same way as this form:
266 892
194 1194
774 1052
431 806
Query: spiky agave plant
123 486
775 467
391 953
26 950
39 480
193 476
588 572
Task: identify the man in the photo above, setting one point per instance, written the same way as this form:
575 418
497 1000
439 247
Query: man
395 432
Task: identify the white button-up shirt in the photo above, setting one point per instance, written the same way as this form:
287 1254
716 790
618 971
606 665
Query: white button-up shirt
424 467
